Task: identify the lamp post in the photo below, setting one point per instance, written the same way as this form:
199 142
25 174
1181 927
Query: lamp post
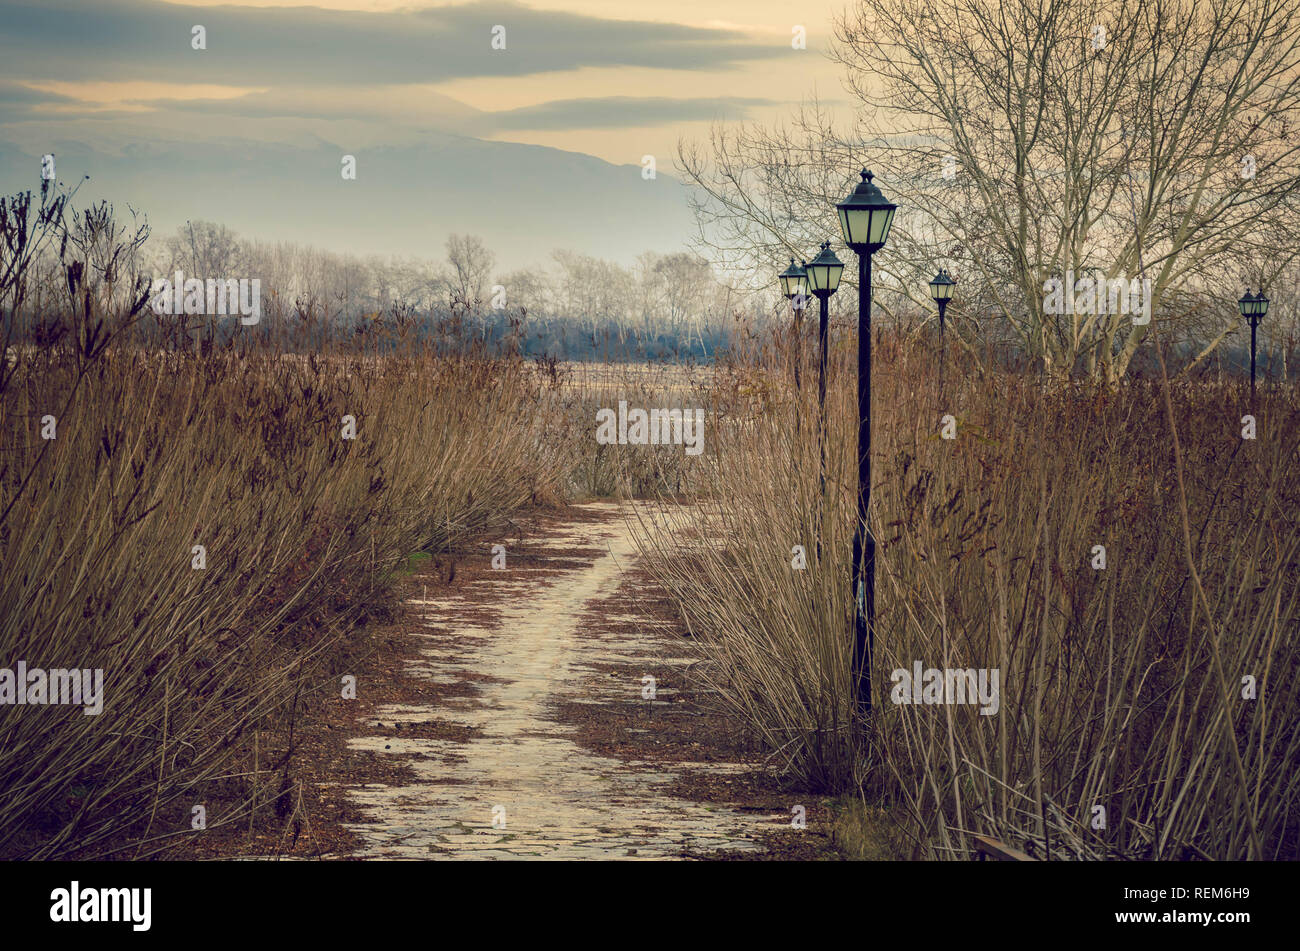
823 280
1253 308
794 285
941 288
865 218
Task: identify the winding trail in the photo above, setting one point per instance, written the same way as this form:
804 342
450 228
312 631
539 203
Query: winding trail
514 783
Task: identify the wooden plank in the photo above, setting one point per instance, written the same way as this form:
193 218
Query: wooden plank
986 848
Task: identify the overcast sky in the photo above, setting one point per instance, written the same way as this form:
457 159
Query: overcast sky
609 78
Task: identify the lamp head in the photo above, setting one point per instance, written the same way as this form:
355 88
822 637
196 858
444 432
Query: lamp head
866 217
824 272
942 285
794 281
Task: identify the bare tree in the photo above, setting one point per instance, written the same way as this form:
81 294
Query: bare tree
1138 138
471 265
204 249
673 287
528 290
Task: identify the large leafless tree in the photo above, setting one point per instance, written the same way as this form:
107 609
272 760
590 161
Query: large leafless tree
1030 138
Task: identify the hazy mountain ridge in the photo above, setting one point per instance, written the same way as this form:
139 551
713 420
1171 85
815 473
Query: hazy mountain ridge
405 199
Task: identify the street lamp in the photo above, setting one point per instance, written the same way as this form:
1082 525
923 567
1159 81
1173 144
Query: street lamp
865 218
941 288
823 280
794 280
1253 308
794 285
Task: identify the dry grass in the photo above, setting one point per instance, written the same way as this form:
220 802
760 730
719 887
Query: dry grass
241 450
243 455
1120 688
603 471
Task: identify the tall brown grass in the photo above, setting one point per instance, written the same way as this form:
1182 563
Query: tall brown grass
243 454
1121 688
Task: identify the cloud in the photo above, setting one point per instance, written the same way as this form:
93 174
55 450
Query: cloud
21 103
411 105
366 103
70 40
622 111
12 93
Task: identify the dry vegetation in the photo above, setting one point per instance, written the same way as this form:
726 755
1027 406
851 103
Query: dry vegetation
244 456
1120 687
237 447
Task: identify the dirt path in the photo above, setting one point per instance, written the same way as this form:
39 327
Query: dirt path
554 647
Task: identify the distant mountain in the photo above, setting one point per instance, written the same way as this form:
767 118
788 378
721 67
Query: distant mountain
523 200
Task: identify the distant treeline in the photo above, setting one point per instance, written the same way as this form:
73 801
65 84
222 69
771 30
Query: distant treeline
67 273
607 341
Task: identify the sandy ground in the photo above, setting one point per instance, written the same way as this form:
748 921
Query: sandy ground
512 771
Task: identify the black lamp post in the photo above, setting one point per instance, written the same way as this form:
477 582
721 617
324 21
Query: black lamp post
823 280
865 218
941 288
794 285
1253 308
